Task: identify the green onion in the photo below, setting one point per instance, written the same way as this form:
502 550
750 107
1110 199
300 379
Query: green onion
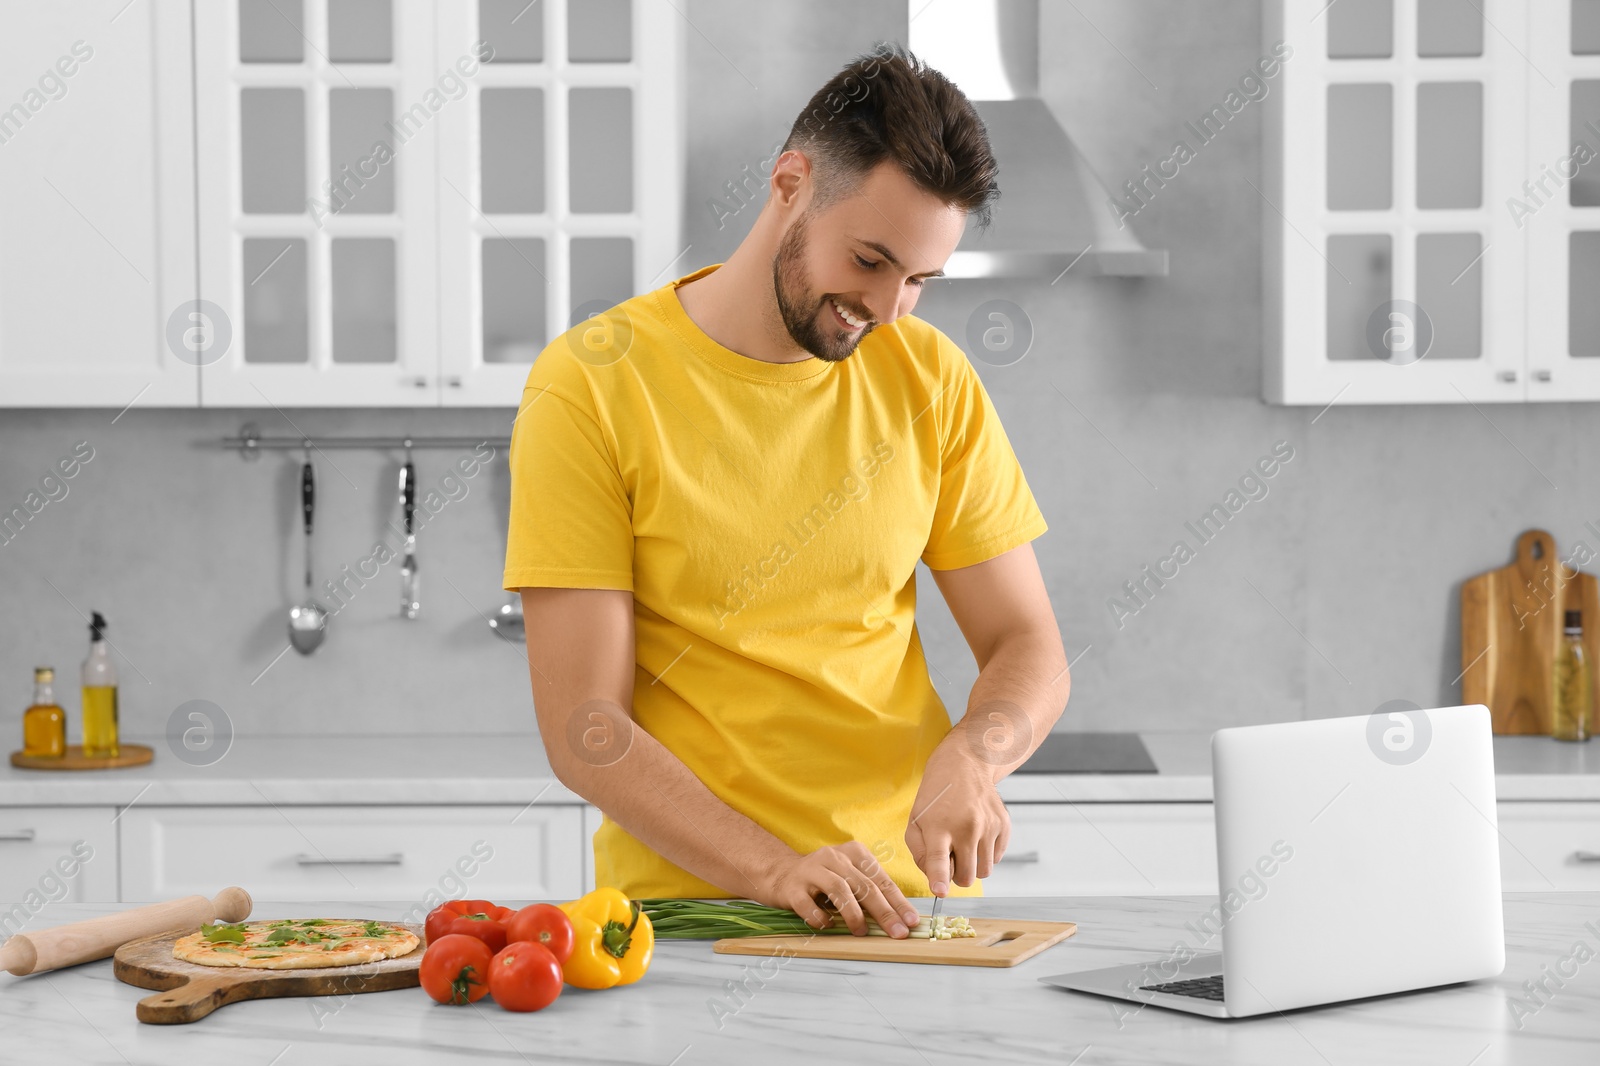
691 919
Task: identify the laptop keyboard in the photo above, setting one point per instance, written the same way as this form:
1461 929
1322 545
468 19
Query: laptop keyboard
1198 987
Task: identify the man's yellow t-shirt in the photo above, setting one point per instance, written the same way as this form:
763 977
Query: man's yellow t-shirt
768 518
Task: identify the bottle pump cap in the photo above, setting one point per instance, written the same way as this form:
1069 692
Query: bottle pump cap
97 627
1574 622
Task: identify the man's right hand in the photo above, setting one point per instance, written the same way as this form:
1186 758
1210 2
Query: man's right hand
852 879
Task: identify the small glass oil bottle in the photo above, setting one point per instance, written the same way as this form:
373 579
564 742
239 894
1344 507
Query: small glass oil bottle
44 725
99 696
1572 716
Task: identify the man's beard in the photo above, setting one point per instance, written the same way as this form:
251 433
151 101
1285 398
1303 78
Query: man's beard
799 309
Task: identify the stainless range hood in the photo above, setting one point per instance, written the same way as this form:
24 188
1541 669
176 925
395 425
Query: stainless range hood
1054 214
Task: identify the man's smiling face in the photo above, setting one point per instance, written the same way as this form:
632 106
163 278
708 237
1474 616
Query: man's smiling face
859 263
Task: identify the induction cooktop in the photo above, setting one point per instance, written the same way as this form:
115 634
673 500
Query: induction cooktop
1090 753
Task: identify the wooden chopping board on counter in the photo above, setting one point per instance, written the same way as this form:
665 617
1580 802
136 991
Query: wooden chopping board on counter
1000 942
1511 622
191 991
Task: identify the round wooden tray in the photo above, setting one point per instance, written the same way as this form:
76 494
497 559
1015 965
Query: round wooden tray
75 759
194 991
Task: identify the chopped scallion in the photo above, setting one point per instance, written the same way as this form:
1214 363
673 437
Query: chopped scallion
690 919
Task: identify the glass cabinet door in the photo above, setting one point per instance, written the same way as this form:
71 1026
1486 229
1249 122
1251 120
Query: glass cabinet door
1419 274
1394 139
404 202
317 200
548 215
1560 208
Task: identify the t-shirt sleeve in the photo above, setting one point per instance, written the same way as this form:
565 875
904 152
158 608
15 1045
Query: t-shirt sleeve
571 519
985 507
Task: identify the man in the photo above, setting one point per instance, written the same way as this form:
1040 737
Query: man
720 491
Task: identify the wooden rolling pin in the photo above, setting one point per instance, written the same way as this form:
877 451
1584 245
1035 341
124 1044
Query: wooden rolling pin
98 938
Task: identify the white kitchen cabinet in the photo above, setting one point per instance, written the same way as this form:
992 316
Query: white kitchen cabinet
591 822
352 853
317 201
97 236
1562 214
403 211
1428 238
1549 847
560 180
1107 849
326 203
54 854
1169 848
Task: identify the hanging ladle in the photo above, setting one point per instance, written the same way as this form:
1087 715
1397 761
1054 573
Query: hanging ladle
508 621
308 623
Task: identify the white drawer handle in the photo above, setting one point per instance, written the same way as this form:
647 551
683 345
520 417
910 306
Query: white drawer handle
394 858
18 834
1586 856
1020 857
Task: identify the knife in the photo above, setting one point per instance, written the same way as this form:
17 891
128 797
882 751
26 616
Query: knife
938 901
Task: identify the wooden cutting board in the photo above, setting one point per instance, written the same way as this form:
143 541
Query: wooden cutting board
1511 621
191 991
1000 942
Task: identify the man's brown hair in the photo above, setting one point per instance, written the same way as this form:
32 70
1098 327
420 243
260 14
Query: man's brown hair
889 106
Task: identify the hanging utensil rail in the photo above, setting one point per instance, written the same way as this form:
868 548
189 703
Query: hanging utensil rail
250 443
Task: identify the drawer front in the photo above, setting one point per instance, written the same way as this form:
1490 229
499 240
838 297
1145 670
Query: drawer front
1549 847
1105 849
54 855
382 854
591 825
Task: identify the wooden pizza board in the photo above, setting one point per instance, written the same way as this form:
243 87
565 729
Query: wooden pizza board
74 759
1000 942
1511 621
192 991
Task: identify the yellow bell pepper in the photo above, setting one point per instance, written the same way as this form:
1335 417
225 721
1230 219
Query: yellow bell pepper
612 940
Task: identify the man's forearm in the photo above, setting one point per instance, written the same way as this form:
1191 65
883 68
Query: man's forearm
1018 697
656 798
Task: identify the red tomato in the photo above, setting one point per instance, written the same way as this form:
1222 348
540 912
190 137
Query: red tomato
524 977
455 969
470 917
544 924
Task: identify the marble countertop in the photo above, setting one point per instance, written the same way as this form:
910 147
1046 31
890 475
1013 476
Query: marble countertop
513 769
846 1012
288 770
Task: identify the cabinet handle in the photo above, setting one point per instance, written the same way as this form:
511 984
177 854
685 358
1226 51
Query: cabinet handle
415 383
1508 376
1019 857
1541 375
454 383
394 858
19 834
1586 856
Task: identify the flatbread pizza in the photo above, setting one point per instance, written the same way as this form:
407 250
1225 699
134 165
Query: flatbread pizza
296 944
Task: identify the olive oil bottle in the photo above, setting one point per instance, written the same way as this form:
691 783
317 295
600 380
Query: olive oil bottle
1572 715
44 725
99 696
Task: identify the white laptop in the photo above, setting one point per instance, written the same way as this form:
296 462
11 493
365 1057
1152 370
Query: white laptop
1355 857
